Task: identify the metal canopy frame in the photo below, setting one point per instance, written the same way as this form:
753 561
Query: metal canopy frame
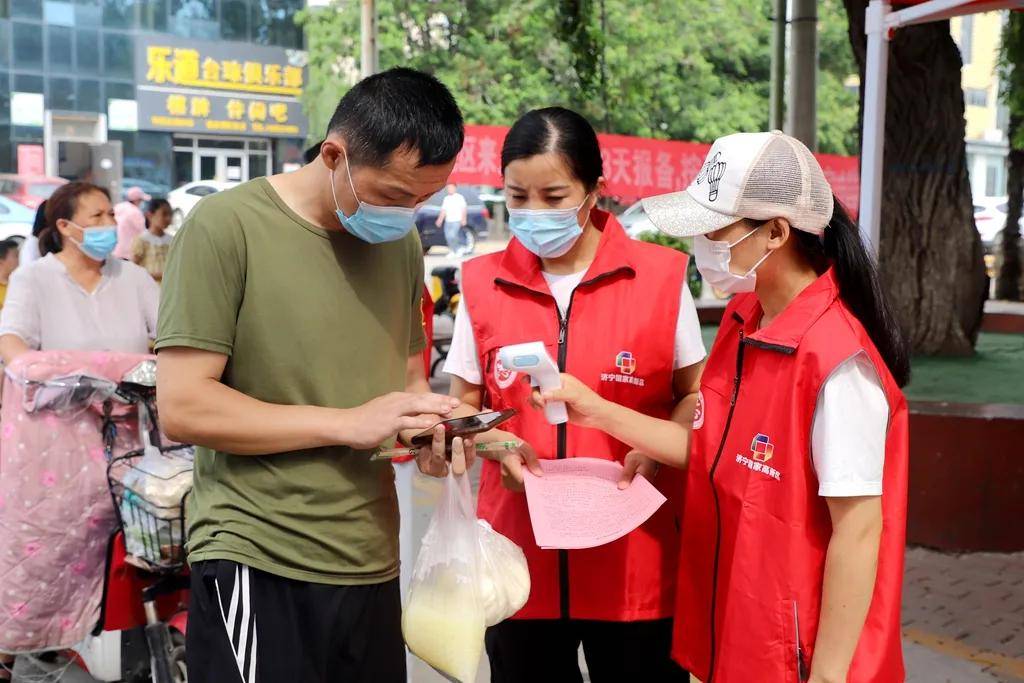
881 22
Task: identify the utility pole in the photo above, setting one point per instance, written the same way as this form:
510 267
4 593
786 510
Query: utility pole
777 108
368 56
801 119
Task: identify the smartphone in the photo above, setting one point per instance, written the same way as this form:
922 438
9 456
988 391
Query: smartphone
464 426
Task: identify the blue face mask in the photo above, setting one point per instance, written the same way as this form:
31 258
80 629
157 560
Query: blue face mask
373 224
548 233
98 241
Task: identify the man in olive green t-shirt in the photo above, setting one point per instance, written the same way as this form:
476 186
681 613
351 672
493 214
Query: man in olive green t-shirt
289 347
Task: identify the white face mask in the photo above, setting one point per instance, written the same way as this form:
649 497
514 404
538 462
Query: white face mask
713 258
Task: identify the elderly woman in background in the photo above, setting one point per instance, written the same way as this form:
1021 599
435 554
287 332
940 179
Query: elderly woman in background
77 296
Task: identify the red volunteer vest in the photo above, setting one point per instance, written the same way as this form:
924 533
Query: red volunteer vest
755 529
618 338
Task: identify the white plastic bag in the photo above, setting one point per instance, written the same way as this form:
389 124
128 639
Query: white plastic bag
443 622
154 488
504 575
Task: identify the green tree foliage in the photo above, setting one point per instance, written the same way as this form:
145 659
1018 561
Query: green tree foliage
673 70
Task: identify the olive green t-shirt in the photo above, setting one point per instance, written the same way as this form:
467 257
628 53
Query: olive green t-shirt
306 317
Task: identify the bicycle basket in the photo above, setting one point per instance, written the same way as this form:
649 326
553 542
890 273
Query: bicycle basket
149 489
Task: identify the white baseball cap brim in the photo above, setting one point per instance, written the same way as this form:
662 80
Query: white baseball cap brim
680 215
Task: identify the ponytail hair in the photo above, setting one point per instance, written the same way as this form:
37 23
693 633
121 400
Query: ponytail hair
859 287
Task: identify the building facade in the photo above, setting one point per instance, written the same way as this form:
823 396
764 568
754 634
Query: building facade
979 37
191 89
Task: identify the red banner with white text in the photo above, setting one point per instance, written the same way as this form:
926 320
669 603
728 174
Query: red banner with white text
636 167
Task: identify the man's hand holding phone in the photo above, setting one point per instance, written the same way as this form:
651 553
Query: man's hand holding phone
371 424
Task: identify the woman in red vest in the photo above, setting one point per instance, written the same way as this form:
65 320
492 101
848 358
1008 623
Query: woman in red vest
617 314
797 485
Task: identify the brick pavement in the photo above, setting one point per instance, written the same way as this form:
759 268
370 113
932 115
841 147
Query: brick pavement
963 617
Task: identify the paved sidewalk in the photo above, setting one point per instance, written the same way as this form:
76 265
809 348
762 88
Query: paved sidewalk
963 617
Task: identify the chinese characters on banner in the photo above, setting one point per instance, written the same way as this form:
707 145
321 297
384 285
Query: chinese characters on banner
186 85
635 167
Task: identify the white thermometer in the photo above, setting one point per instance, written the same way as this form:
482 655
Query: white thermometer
533 360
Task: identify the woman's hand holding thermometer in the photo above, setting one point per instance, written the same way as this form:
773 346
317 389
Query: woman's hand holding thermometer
532 359
585 407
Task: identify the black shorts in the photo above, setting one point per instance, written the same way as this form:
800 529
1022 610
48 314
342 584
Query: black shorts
250 626
547 651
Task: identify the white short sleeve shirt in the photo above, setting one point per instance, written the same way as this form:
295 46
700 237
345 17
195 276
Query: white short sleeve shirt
464 362
851 420
48 310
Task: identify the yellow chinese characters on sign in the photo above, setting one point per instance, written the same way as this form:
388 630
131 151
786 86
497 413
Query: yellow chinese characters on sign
187 67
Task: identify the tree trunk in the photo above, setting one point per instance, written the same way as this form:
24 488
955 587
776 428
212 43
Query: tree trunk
1008 280
930 254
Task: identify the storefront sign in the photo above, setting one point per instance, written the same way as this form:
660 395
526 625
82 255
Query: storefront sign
635 167
226 88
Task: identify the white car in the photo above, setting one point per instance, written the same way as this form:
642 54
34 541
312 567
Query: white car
990 219
185 198
635 222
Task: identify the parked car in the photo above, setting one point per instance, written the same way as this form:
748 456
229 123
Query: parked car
28 190
15 219
990 219
185 198
153 189
635 222
477 216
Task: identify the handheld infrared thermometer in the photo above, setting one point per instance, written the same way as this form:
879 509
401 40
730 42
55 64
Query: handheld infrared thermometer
533 360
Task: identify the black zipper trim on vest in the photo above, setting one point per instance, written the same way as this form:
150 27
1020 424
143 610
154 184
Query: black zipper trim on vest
718 507
563 443
781 348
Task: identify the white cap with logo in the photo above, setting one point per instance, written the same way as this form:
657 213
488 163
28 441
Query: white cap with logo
758 176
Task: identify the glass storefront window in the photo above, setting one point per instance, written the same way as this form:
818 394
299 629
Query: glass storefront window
28 46
87 51
119 13
61 95
146 158
195 19
88 12
118 55
273 23
87 95
234 20
182 168
27 9
8 162
257 166
117 91
5 44
28 83
5 103
153 15
59 49
60 13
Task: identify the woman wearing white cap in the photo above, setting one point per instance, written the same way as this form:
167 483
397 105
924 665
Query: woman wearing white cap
797 483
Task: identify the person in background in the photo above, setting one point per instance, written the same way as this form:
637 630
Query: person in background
8 262
454 218
77 297
617 313
151 247
131 222
29 251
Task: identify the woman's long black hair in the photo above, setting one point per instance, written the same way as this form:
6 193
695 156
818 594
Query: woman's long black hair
559 130
860 287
